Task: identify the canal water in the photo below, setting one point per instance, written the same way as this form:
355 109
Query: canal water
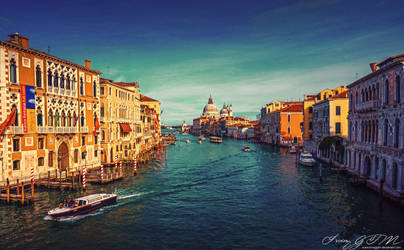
210 196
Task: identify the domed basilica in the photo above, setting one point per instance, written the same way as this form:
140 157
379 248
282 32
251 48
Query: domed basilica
211 111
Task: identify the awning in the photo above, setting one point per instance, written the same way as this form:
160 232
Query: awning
125 127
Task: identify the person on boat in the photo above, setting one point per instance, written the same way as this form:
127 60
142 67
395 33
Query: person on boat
65 203
72 202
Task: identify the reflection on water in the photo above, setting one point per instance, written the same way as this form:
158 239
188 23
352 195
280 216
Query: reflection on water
210 196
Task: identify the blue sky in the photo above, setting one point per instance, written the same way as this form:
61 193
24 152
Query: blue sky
246 53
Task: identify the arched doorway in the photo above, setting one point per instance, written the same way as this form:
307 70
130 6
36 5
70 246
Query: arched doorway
63 157
111 157
384 168
367 166
394 176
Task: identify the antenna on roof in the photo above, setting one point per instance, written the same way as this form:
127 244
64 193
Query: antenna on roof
48 49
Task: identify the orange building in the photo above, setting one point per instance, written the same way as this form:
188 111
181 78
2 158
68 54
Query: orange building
56 109
284 125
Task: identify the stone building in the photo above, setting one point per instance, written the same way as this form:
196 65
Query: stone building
210 110
54 107
150 116
375 149
309 143
120 120
330 118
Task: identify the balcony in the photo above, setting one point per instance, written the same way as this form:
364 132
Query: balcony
62 91
56 91
41 130
367 106
84 130
16 130
67 91
73 93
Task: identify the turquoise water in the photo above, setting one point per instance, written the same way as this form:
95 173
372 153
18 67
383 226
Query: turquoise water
210 196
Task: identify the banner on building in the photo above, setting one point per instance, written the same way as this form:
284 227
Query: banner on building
27 103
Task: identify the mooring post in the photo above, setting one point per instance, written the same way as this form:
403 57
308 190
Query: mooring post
48 179
18 187
32 190
8 191
80 186
60 179
22 194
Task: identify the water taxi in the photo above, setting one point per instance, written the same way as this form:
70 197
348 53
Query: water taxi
83 205
292 149
247 149
307 159
215 139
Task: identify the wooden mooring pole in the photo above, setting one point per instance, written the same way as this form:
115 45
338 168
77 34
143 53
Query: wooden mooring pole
18 187
22 194
8 191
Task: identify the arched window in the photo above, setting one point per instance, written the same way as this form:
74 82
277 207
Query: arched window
386 130
377 92
377 132
366 95
310 110
63 122
386 92
398 94
76 155
363 95
39 119
16 115
67 82
82 119
362 132
57 122
49 78
73 83
50 118
62 81
376 168
56 81
396 133
383 173
357 97
13 71
38 74
356 131
81 86
69 119
95 89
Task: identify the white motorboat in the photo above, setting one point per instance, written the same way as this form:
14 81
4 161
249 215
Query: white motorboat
307 159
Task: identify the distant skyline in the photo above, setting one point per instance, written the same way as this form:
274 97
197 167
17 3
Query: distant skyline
247 53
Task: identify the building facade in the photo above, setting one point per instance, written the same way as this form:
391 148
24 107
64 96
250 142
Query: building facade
55 106
375 149
309 143
120 120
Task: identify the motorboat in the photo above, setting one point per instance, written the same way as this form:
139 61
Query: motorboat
247 149
202 138
83 205
187 141
215 139
307 159
292 149
200 141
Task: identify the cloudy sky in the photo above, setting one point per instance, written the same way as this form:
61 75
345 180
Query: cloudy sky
246 53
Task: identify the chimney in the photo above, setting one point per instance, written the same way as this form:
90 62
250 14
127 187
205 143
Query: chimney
87 63
373 66
19 39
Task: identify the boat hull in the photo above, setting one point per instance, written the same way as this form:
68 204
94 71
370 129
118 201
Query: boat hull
84 209
307 163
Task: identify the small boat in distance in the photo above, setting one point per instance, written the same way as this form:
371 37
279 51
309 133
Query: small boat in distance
83 205
307 159
292 149
187 141
247 149
199 141
215 139
202 138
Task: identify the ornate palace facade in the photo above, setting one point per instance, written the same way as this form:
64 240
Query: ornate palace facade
53 107
375 149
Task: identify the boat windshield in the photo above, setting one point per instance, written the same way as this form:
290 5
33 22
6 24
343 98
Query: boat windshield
306 157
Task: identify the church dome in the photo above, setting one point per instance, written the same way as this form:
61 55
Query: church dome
224 110
210 109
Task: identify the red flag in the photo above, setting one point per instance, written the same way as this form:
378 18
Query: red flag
97 125
9 121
